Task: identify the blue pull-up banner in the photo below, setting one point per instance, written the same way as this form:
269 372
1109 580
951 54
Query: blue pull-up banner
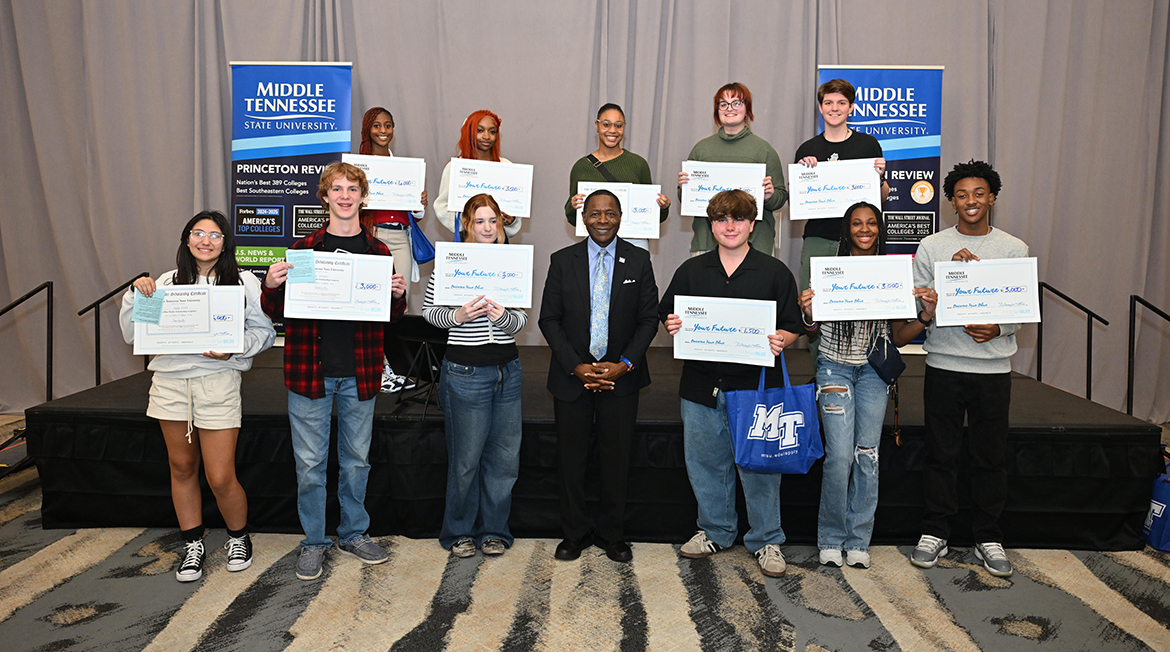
289 120
902 108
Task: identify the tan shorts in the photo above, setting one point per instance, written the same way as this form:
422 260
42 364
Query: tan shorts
210 402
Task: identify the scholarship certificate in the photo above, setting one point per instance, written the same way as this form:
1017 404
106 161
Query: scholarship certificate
639 207
831 187
510 184
863 287
725 330
999 291
708 179
348 287
195 319
396 183
466 270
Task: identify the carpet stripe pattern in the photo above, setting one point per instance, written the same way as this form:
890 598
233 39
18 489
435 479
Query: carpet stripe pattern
114 589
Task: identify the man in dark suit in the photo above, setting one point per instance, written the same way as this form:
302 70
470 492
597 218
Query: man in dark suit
598 315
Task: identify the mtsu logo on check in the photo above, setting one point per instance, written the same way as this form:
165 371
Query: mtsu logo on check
774 424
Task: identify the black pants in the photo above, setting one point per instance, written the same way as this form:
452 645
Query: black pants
984 399
615 416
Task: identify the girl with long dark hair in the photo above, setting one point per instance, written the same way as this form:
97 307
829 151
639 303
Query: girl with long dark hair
196 397
852 400
390 227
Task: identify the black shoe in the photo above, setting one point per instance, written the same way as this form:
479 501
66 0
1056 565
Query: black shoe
570 549
617 551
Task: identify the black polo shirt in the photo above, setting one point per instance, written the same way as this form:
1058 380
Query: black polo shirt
759 276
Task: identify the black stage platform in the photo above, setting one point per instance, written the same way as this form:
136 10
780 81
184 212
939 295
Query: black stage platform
1079 473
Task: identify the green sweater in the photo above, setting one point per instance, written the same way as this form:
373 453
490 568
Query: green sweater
627 167
743 147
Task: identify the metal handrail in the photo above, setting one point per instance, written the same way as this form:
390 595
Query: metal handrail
97 327
1088 337
48 332
1133 301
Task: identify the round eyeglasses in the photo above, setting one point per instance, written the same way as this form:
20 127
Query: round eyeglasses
197 234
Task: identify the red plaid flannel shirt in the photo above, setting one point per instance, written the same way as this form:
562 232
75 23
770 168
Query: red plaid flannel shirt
302 337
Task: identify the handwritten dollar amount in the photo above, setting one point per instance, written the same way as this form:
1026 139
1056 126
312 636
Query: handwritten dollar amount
862 287
485 273
720 328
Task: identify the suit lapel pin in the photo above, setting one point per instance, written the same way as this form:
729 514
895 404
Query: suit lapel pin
621 260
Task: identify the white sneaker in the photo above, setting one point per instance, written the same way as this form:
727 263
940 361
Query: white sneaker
391 382
699 547
857 558
771 560
831 558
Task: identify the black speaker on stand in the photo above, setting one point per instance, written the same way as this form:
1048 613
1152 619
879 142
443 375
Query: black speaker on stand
419 347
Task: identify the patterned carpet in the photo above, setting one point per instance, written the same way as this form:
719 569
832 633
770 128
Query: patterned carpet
114 589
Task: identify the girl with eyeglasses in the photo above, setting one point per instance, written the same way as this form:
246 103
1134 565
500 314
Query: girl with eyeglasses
735 143
196 397
610 163
479 138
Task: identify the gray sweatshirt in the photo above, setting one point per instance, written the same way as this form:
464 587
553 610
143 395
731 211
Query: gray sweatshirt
949 347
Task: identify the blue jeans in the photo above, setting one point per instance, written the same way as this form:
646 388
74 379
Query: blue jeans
711 469
852 423
309 421
481 407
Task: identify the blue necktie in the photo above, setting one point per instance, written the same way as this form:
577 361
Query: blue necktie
599 309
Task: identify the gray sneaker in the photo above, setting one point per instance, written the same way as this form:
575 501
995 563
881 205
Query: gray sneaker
928 551
365 549
309 563
994 559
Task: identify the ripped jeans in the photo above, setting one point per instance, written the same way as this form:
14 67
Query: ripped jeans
852 423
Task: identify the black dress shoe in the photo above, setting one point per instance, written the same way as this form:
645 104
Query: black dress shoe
570 549
617 551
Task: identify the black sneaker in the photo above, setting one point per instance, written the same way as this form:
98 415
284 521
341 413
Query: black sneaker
239 552
192 567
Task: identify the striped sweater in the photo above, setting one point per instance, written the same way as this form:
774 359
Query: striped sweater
479 332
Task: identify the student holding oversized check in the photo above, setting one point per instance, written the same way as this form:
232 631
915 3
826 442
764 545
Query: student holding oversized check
734 270
735 143
479 139
479 389
609 163
968 374
851 394
195 395
836 143
333 359
396 227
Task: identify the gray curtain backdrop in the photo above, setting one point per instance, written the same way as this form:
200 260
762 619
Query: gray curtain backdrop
115 123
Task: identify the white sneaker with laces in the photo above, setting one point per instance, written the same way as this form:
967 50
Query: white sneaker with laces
699 547
771 560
